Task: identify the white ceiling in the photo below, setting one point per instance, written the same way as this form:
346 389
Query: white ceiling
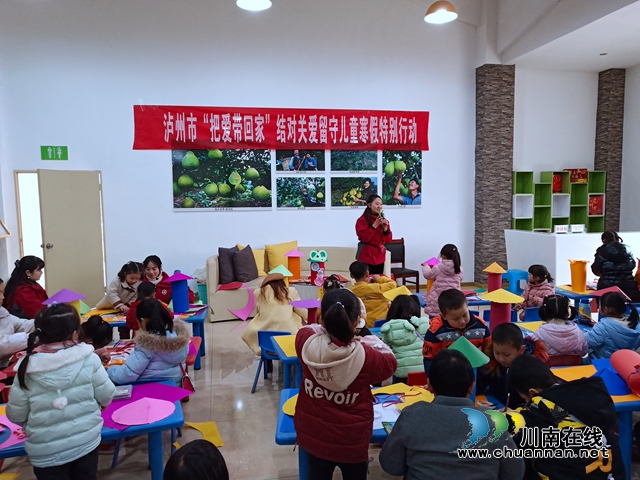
617 34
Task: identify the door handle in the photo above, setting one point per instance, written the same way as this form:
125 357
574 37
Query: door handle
49 245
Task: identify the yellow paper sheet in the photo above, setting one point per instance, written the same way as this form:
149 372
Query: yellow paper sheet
574 373
287 344
391 389
3 409
105 311
209 431
531 326
502 296
9 476
289 407
494 268
411 398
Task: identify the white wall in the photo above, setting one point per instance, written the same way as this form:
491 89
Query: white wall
71 71
555 119
630 198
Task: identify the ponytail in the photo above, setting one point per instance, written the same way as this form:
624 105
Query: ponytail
339 311
22 369
451 252
159 321
541 271
556 306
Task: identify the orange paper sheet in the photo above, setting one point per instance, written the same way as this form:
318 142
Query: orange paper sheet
287 344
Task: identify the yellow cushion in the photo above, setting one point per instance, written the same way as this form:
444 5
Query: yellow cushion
259 256
276 253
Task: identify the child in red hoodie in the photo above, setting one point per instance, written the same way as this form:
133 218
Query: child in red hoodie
145 290
334 413
23 295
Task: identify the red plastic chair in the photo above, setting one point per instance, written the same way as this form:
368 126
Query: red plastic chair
417 378
565 360
191 359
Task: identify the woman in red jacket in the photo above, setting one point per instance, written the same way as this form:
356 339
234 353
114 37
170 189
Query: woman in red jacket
334 413
153 273
373 231
23 295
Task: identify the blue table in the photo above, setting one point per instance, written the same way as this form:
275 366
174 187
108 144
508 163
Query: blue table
575 296
197 320
288 363
286 433
153 430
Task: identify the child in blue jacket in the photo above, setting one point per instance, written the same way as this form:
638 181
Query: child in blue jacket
614 330
162 345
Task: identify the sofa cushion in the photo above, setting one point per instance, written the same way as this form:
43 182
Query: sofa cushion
276 253
260 263
225 262
244 264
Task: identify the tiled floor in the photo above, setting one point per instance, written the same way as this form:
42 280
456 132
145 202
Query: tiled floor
246 422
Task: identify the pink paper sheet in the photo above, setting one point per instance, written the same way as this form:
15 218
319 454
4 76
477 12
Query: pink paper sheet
13 439
145 390
244 313
306 303
143 412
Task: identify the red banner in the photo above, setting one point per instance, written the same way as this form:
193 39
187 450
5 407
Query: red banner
160 127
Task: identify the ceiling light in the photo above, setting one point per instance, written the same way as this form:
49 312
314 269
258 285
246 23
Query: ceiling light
440 12
254 5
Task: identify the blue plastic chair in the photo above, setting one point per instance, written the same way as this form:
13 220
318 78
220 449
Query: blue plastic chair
379 323
266 352
513 279
532 314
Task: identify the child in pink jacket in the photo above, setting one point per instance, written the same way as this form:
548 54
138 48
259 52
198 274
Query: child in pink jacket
558 332
446 275
539 286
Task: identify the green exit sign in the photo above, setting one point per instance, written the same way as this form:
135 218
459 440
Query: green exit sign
54 152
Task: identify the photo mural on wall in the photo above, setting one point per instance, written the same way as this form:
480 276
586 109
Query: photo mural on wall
221 179
228 158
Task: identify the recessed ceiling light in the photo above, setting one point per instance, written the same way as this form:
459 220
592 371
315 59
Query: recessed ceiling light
254 5
603 54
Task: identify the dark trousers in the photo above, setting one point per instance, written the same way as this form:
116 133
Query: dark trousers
376 269
320 469
85 468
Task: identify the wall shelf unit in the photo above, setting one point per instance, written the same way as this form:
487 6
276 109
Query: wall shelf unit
555 200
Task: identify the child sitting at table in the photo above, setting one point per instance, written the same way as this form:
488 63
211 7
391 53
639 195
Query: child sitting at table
161 347
332 282
581 408
274 310
334 413
95 331
507 343
122 290
538 287
559 334
197 460
370 290
399 332
454 322
14 332
60 388
615 330
23 296
145 290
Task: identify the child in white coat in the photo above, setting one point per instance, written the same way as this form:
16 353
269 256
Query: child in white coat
57 397
14 332
123 290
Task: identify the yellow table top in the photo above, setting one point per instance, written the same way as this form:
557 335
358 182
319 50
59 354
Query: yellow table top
531 326
569 289
287 344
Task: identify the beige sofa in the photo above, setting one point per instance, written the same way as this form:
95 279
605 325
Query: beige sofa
339 259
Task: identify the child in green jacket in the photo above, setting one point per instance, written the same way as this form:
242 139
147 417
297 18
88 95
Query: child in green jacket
399 332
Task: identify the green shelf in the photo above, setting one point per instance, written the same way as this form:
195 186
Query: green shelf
522 224
542 217
522 182
579 194
579 214
547 177
560 221
597 182
595 224
542 194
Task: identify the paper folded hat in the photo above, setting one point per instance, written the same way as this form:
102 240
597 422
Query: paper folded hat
396 292
272 277
502 296
494 268
473 354
282 270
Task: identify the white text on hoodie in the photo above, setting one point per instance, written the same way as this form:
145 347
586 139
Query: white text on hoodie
338 398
